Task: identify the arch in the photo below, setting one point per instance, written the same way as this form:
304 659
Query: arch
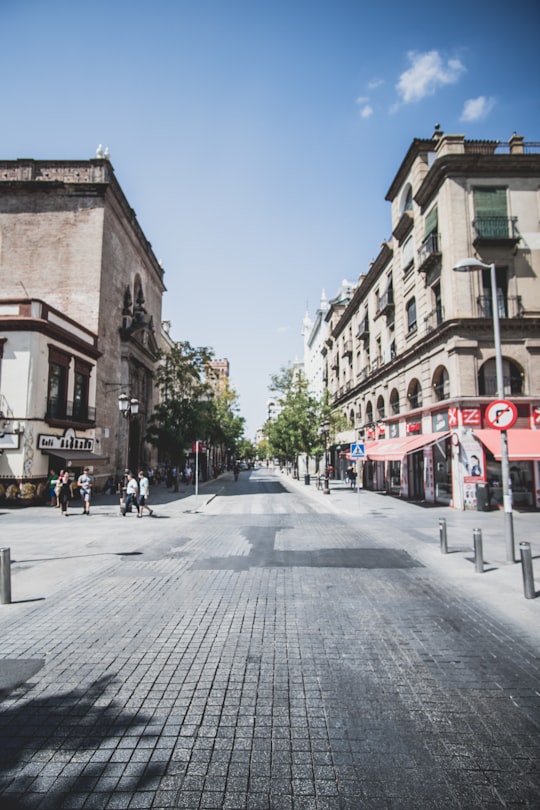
380 407
394 401
441 383
351 417
414 394
369 412
513 378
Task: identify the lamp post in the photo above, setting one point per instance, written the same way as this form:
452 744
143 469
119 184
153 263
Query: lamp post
469 266
128 407
325 432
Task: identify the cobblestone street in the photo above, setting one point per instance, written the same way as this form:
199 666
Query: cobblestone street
256 648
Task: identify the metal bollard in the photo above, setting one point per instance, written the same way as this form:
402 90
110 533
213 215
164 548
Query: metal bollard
527 570
5 576
442 536
478 552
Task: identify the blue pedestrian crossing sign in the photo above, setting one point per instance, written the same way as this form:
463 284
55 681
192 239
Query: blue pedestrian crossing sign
358 450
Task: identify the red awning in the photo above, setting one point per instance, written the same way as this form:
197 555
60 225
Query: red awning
523 444
396 449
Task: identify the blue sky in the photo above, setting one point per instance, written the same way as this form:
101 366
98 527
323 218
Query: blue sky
256 140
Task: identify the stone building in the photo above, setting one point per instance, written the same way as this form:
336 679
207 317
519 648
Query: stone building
411 362
80 302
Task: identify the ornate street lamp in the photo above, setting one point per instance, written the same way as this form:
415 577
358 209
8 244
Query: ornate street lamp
128 407
470 266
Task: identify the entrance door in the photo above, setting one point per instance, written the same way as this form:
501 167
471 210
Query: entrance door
416 476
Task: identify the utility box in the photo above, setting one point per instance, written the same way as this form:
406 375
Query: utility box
482 497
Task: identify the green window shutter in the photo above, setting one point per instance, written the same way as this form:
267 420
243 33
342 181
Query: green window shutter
432 221
491 212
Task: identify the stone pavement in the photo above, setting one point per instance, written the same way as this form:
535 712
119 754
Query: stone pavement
263 645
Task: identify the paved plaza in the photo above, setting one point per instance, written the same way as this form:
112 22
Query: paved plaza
263 645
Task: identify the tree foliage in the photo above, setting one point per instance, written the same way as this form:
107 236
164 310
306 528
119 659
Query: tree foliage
184 412
295 430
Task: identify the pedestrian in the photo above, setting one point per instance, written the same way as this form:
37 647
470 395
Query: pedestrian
132 490
188 474
144 491
51 483
66 494
85 483
58 487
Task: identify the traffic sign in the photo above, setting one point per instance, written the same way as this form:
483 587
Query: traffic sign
501 414
358 450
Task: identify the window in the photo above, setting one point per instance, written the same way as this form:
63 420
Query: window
415 395
441 384
57 387
380 408
491 215
513 379
407 254
394 401
407 199
411 315
80 390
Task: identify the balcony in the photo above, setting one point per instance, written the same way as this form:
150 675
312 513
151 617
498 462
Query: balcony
347 348
385 304
363 330
495 232
61 413
509 306
429 253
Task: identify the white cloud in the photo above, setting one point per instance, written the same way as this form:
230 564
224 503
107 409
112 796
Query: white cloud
366 111
427 73
362 99
374 83
475 109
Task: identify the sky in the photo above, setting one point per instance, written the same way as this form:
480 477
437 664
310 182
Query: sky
256 139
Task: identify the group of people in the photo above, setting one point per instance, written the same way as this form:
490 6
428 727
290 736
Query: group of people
136 494
61 492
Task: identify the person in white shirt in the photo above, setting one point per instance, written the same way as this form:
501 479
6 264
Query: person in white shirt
132 490
85 483
144 491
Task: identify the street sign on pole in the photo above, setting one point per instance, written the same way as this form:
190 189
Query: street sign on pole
358 450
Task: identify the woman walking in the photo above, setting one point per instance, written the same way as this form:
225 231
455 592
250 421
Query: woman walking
66 494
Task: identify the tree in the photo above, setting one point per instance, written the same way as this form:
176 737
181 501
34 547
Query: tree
184 412
295 431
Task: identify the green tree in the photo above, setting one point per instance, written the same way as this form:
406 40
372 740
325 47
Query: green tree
185 410
295 431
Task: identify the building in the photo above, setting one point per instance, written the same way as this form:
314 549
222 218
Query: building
412 357
80 300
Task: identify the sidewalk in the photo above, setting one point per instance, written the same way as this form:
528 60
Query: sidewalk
416 528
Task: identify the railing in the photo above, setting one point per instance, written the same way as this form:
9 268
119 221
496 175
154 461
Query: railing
428 252
385 302
363 329
509 307
512 385
496 228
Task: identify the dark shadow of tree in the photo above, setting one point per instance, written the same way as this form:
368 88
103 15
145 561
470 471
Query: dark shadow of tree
58 729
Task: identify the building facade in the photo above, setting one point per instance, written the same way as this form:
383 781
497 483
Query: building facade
80 302
412 358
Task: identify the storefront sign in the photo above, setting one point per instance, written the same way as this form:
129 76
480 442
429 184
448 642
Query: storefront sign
52 442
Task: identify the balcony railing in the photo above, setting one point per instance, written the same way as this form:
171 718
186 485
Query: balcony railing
429 253
500 231
61 411
509 306
363 330
347 348
385 303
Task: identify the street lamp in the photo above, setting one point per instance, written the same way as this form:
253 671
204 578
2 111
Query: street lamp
469 266
128 407
324 431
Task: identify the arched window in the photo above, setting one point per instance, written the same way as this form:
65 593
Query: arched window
414 395
394 401
369 412
513 378
351 417
380 408
407 199
441 384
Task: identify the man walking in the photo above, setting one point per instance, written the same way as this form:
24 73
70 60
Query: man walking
132 490
144 491
85 483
